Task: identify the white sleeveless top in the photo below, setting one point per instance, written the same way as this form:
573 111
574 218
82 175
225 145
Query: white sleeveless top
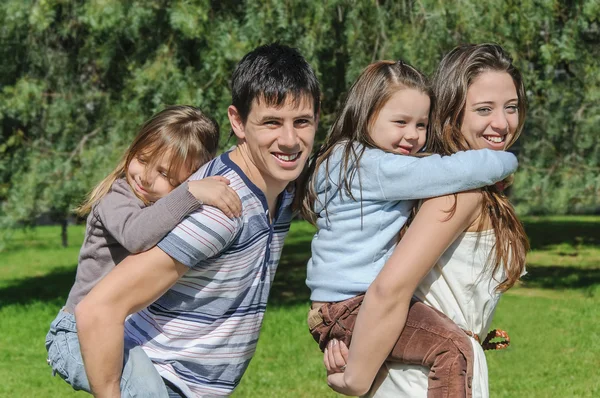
461 286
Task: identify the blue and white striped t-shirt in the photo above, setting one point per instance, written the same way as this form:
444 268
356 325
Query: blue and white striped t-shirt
202 333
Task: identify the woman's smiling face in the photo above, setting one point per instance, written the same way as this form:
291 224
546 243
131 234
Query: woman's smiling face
491 114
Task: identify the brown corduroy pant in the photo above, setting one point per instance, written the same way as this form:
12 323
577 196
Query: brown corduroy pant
429 338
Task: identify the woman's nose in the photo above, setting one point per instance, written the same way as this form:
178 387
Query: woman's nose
500 122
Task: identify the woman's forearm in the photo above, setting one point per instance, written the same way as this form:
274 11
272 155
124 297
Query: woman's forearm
385 308
379 323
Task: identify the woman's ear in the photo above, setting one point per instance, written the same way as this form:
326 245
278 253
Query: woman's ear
237 126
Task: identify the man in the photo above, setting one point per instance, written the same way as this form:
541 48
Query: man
207 282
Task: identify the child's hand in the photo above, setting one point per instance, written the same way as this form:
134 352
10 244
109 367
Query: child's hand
335 357
215 191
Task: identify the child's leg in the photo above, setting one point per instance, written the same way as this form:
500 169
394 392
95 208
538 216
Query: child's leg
64 356
334 321
431 339
139 377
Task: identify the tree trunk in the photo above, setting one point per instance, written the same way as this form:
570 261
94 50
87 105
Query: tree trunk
63 232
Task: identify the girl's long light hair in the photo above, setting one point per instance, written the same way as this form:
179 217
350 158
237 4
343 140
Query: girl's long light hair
377 83
456 72
189 136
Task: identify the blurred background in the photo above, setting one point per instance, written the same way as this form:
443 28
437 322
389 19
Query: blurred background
78 77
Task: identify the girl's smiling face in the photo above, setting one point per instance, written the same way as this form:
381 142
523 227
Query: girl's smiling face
491 114
401 125
151 180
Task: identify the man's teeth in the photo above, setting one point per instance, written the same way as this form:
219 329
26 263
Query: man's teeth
494 139
286 158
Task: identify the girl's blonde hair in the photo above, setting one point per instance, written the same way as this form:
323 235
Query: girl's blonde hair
189 136
455 74
377 83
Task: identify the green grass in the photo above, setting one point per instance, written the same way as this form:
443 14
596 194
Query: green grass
552 317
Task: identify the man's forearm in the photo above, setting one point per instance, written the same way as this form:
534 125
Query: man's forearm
136 283
101 339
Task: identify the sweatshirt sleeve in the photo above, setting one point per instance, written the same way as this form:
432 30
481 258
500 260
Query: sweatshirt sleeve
396 177
138 228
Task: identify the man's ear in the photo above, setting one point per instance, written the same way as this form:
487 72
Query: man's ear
237 126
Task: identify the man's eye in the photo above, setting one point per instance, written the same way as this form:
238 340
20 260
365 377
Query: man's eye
301 122
272 123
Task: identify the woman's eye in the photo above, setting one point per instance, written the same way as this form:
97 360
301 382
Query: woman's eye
421 125
164 174
141 161
401 122
512 109
484 111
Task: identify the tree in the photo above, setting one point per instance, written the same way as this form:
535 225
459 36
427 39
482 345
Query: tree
78 77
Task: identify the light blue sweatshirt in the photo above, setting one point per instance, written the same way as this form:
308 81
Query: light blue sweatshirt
348 252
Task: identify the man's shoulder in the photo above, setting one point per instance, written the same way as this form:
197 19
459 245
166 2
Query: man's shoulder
220 165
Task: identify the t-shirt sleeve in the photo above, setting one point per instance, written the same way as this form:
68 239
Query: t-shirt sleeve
203 234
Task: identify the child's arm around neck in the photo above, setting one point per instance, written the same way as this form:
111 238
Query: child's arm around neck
138 227
387 176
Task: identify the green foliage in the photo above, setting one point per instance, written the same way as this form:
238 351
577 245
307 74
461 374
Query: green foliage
78 77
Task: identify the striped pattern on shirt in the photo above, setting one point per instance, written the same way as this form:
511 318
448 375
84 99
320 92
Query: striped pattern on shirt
202 333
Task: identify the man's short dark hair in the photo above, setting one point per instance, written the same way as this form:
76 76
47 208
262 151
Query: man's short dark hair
270 73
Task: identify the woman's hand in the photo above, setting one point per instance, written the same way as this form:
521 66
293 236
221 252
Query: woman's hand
215 191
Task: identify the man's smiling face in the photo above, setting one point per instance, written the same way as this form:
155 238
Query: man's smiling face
279 139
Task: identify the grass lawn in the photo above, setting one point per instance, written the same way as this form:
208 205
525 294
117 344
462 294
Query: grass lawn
553 317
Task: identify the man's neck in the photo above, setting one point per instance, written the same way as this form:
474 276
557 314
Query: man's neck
268 186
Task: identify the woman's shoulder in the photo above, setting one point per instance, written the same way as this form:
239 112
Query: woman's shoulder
466 205
462 200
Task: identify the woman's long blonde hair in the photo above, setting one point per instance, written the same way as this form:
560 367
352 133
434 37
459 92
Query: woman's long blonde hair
456 72
377 83
189 136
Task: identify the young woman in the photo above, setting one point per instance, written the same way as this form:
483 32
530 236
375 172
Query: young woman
361 193
462 250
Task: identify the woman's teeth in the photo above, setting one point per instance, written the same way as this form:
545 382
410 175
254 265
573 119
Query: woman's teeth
494 139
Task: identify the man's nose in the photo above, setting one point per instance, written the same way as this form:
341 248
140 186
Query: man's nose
288 136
